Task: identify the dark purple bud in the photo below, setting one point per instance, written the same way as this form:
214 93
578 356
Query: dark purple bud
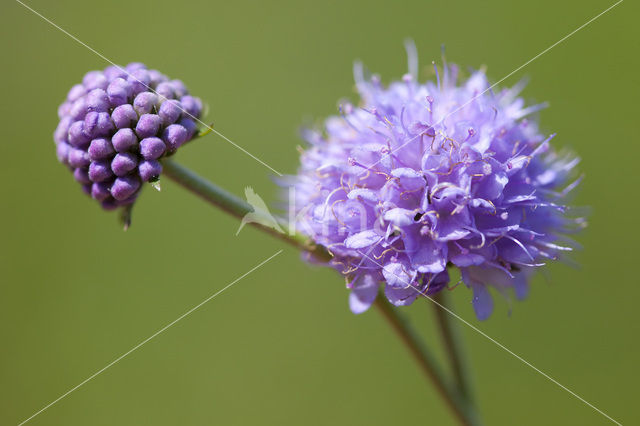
123 163
81 175
62 131
192 105
128 201
124 116
174 136
149 170
124 187
190 125
78 109
101 190
131 67
97 100
100 171
139 79
64 109
156 77
179 88
75 92
113 72
152 148
145 103
86 188
123 140
119 92
100 148
62 152
165 90
170 111
97 124
109 204
77 137
148 125
94 80
78 158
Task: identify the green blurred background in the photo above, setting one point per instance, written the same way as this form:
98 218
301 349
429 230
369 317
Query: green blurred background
281 346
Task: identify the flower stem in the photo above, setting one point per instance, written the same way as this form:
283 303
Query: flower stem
238 208
456 402
235 206
452 344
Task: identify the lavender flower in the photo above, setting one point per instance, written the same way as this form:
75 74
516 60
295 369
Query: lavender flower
117 124
421 177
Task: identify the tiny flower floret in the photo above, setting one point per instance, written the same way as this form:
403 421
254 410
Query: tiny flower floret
117 124
420 178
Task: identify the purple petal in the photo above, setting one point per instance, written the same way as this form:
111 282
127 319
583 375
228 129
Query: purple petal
520 286
401 296
362 239
482 301
363 294
396 275
426 255
400 217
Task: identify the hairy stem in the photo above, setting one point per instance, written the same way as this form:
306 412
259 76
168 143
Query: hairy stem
456 402
452 343
235 206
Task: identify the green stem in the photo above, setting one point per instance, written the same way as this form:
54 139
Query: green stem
452 344
238 208
235 206
456 402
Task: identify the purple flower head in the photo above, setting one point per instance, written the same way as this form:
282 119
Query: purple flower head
111 125
422 177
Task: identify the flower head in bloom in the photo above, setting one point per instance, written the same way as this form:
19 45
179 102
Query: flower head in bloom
117 124
421 177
